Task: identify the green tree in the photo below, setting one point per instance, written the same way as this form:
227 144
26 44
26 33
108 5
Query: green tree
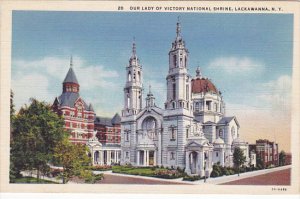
282 157
73 158
238 158
35 133
13 171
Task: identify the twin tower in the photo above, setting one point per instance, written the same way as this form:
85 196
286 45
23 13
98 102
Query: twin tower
178 81
151 135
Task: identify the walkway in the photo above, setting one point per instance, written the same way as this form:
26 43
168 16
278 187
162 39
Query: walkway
225 179
32 174
118 178
282 177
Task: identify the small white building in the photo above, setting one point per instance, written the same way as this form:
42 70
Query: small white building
103 154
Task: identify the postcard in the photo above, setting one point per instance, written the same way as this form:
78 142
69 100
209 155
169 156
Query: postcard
147 96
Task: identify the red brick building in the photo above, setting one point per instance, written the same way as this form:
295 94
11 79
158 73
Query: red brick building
266 151
108 129
288 159
79 117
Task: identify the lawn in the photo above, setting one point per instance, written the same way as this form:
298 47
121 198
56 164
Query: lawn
149 171
31 180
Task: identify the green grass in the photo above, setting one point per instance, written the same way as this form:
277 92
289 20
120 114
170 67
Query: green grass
133 171
31 180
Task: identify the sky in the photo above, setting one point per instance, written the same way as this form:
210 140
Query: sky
247 56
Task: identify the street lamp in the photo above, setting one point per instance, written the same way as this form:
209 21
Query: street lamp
204 171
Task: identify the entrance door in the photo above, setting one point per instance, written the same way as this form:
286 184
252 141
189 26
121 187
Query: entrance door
151 158
105 157
141 158
193 162
96 157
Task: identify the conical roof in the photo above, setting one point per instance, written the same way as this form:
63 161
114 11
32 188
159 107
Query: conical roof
116 119
70 77
91 107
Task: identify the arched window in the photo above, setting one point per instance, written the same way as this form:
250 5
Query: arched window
172 156
216 107
129 76
232 131
175 60
197 106
221 133
128 101
139 76
174 91
172 130
174 105
187 131
149 123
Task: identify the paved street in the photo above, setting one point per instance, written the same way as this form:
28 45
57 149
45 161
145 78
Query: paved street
282 177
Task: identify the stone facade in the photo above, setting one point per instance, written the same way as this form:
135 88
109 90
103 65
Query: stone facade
192 132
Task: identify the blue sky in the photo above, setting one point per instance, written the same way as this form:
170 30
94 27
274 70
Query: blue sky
247 56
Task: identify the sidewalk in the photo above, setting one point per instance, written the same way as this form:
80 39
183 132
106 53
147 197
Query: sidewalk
143 177
218 180
224 179
28 174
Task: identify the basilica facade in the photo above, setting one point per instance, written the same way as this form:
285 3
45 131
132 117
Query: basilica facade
191 131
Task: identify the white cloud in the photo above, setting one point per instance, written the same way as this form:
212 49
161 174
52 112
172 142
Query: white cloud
27 86
277 93
89 76
236 65
42 78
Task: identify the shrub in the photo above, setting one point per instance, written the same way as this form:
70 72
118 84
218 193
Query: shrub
89 177
100 167
217 170
54 172
167 173
192 178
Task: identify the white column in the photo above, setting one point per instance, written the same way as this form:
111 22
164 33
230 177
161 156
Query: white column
117 156
92 154
144 163
147 157
154 158
108 157
187 163
201 156
102 157
138 158
115 160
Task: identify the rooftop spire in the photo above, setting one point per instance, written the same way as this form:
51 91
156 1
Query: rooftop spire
178 28
133 47
71 61
150 93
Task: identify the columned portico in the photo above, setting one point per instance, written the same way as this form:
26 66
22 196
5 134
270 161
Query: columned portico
198 157
146 157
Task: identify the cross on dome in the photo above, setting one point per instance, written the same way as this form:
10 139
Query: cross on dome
198 72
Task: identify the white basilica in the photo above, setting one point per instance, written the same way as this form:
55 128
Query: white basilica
191 132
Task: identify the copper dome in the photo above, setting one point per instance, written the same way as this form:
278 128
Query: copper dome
200 85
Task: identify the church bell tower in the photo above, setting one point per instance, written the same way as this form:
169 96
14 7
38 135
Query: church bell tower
133 87
178 79
178 114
